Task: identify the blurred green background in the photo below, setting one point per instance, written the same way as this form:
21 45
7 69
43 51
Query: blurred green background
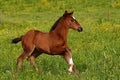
96 51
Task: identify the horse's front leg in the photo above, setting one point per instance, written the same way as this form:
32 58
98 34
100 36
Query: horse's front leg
68 57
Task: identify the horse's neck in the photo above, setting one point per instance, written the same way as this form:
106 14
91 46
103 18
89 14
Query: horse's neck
61 31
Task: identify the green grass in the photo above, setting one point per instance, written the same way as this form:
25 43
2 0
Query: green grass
96 51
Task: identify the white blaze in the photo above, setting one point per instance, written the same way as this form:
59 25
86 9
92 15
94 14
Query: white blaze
73 17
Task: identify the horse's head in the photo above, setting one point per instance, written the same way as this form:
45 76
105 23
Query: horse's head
71 22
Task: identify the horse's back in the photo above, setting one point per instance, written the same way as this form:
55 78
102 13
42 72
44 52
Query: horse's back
28 40
28 36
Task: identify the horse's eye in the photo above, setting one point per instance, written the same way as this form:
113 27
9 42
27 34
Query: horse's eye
72 20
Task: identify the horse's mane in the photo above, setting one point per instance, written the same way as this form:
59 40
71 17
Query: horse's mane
55 25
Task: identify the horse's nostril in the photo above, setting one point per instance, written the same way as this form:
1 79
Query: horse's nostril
80 29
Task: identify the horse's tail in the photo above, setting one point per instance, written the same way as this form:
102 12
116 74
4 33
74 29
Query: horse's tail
16 40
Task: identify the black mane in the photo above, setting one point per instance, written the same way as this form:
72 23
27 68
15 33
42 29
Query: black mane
55 25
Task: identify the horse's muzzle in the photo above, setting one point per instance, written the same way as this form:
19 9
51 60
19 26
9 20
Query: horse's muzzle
80 29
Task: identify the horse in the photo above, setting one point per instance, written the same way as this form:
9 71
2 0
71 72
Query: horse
54 42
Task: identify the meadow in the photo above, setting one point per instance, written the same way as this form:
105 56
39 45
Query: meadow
96 50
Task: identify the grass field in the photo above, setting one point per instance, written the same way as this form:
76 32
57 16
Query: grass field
96 51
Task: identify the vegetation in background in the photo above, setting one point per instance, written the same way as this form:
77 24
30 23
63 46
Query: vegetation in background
96 51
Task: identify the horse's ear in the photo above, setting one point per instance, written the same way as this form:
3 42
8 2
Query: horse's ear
71 13
65 13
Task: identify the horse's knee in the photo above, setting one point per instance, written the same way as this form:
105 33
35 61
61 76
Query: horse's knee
21 57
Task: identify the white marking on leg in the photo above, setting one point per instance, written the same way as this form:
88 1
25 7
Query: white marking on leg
70 69
71 64
70 61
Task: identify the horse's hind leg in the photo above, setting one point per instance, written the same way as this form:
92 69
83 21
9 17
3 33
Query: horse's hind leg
32 57
24 55
20 60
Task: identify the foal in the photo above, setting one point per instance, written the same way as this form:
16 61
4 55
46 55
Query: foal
35 42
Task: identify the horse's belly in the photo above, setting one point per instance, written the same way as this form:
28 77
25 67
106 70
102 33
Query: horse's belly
57 50
42 46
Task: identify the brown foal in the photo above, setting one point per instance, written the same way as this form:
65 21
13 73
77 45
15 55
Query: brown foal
54 42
